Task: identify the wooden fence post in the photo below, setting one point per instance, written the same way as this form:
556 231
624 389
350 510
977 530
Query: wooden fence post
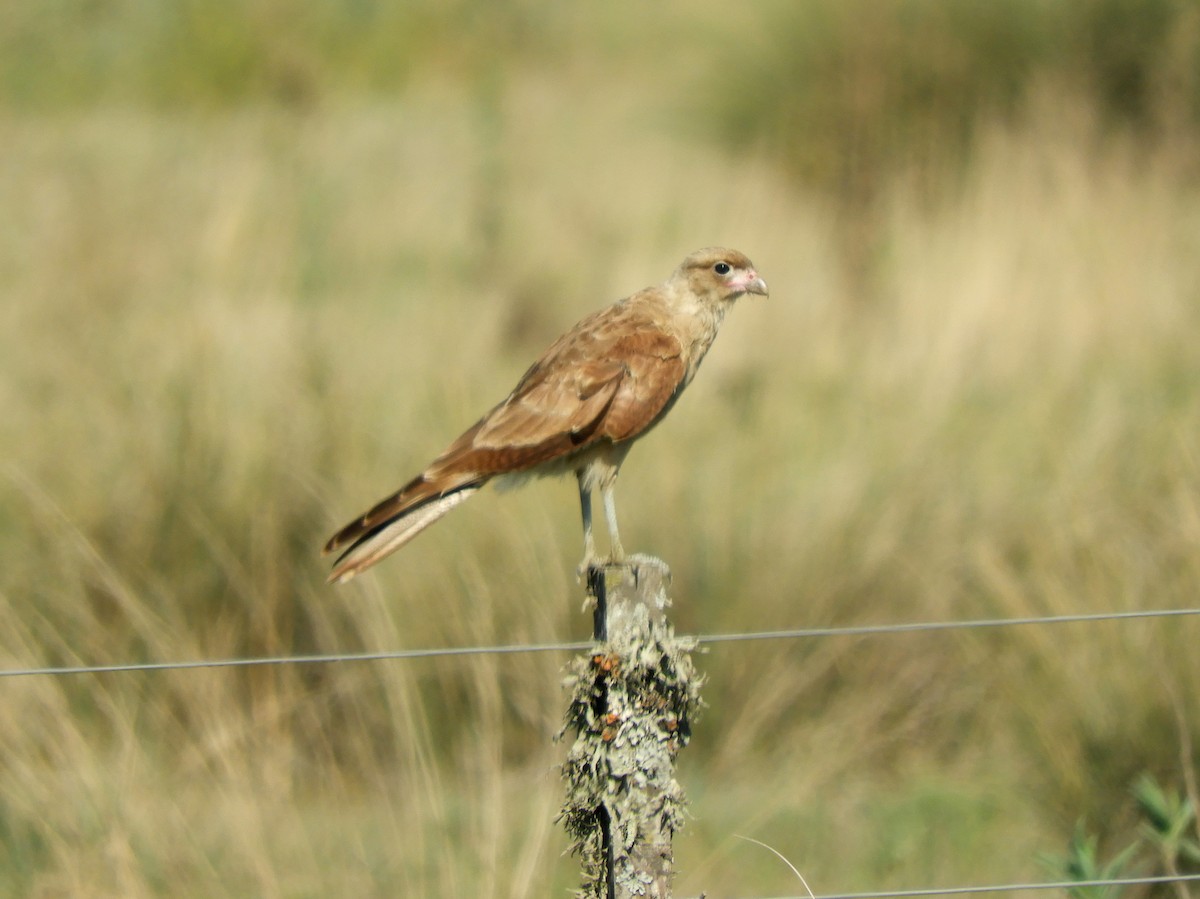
634 696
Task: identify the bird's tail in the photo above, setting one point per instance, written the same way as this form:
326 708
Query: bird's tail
374 536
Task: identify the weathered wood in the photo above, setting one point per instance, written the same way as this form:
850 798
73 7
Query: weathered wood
634 696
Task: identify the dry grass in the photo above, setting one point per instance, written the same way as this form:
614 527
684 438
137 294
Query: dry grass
218 339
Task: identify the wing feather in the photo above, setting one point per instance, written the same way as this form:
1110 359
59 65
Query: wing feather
610 377
387 537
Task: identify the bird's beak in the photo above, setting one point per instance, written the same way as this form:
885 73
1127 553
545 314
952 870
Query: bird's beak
751 283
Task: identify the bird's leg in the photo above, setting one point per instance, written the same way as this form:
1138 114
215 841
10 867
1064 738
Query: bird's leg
610 516
638 562
589 542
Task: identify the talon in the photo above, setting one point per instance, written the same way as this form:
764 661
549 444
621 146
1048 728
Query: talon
589 562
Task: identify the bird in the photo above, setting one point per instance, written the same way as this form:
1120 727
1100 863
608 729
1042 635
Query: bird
578 409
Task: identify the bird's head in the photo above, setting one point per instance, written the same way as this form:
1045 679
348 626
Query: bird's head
721 275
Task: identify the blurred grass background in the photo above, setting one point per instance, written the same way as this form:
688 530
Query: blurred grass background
237 241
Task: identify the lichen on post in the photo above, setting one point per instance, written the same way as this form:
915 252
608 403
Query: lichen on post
634 697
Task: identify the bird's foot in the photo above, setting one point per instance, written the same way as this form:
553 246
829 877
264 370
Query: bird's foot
646 576
593 561
594 565
640 562
590 563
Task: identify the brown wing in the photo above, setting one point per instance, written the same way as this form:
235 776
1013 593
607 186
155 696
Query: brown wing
609 378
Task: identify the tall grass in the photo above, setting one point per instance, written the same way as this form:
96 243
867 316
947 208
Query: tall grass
223 335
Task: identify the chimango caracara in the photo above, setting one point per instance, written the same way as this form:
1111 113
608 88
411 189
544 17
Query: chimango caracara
579 409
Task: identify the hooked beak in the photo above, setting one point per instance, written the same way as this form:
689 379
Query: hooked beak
751 283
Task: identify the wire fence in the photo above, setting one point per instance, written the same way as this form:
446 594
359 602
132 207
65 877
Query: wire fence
790 634
866 630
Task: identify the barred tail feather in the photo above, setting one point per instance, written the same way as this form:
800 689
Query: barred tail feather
391 535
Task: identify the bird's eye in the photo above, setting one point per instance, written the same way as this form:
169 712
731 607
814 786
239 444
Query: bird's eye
721 268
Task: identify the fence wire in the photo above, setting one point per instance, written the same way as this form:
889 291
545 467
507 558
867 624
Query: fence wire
792 634
1001 888
868 630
